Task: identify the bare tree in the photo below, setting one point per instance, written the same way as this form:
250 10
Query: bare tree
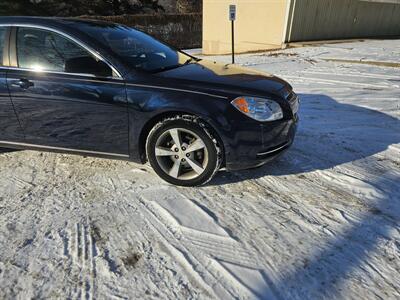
21 7
78 7
189 6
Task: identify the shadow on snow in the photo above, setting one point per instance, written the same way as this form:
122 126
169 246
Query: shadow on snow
331 134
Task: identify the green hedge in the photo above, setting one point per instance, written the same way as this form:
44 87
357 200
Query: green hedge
183 31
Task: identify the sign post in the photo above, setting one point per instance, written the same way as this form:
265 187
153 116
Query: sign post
232 18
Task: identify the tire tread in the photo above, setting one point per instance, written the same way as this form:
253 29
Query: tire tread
199 122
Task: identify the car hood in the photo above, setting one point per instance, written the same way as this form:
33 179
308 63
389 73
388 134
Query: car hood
207 75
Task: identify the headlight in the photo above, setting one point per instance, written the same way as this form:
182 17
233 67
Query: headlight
259 109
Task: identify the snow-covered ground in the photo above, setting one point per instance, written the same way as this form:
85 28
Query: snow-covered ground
322 222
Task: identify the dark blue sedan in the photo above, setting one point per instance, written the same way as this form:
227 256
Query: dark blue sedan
104 89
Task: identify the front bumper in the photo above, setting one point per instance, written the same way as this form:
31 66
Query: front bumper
256 144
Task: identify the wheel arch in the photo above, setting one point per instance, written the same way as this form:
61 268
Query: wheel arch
171 114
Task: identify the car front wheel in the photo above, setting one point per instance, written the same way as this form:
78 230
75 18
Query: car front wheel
182 151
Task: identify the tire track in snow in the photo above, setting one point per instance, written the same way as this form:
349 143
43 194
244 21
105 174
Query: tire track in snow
350 74
190 262
253 280
20 183
230 260
120 288
81 250
331 81
229 251
209 245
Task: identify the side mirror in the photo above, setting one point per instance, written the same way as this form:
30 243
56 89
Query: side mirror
88 65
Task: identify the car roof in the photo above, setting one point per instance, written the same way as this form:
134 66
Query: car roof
52 21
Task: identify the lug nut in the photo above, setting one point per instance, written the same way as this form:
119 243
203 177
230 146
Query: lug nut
176 149
183 149
176 157
183 160
187 155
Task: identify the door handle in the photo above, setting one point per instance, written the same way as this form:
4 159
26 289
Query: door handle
22 83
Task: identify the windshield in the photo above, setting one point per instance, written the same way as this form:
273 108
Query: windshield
135 48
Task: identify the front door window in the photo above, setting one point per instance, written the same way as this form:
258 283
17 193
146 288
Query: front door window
43 50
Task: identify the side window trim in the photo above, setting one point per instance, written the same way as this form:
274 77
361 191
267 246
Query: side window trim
13 60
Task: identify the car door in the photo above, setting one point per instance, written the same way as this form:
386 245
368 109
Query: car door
10 129
65 97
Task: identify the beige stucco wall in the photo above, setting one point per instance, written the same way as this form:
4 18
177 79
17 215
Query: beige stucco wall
260 25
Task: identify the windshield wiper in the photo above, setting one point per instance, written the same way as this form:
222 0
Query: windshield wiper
162 69
191 60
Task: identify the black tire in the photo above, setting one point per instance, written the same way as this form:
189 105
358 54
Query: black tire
208 159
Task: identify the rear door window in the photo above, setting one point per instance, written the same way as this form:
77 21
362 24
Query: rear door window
2 43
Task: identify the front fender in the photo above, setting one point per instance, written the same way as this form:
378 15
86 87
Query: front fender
147 106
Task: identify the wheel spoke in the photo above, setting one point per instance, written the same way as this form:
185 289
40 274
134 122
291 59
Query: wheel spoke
177 152
161 151
197 145
174 172
195 166
176 137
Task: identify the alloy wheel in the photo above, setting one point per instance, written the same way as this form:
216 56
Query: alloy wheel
181 154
